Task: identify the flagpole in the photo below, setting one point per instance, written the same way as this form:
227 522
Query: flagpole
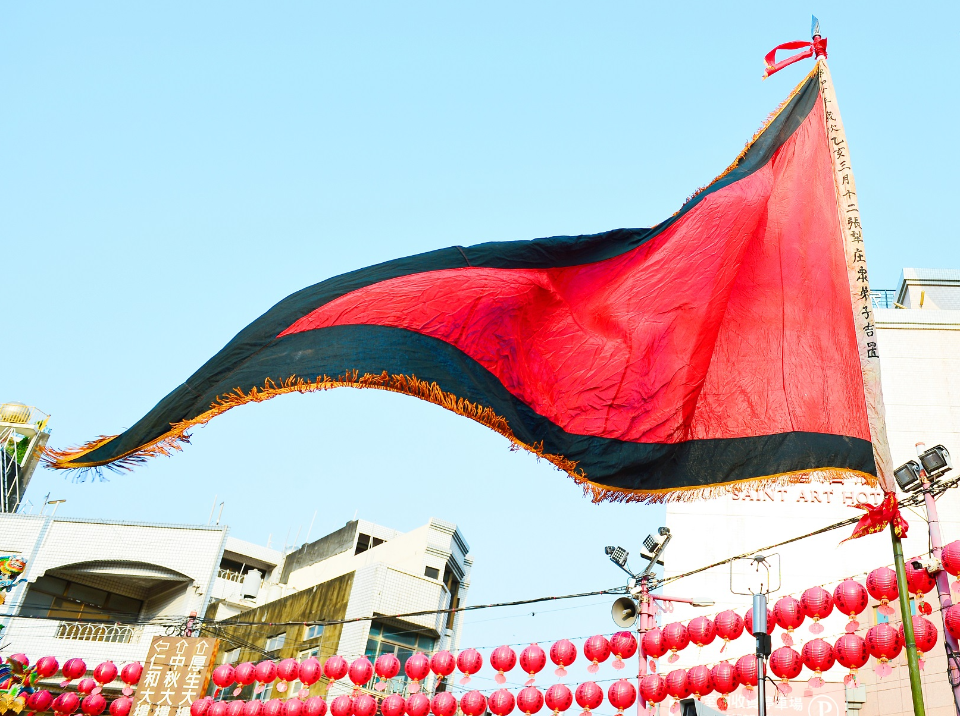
862 305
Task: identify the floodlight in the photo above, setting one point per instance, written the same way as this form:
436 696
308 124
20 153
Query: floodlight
617 554
650 544
908 476
935 461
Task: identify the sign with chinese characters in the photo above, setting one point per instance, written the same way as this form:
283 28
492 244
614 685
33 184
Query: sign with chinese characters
176 672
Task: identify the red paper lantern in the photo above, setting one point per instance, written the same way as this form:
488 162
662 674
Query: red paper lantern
295 707
275 707
219 709
86 686
562 653
418 705
785 663
393 705
818 656
47 667
105 672
469 662
94 704
340 706
473 703
266 672
653 688
67 703
288 670
309 672
589 696
417 667
924 632
73 669
235 708
851 599
316 705
361 670
882 586
335 667
677 687
950 557
746 668
729 625
121 707
951 620
444 704
652 643
724 677
675 639
748 621
701 631
621 695
501 702
245 674
558 698
623 645
883 642
919 581
851 652
529 700
699 681
364 705
789 614
201 706
596 649
252 708
443 664
42 700
503 660
817 604
532 660
130 674
224 675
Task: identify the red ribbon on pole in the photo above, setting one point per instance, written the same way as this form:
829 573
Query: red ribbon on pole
816 46
879 516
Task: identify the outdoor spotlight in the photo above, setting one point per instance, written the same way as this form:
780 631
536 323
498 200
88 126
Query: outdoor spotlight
908 476
935 461
664 531
617 554
650 544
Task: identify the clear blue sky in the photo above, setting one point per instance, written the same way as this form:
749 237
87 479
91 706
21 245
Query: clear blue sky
168 171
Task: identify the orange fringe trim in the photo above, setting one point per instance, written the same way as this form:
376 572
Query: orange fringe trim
763 128
178 435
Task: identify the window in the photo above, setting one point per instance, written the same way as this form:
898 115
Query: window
312 631
432 572
365 542
402 643
52 597
276 642
232 656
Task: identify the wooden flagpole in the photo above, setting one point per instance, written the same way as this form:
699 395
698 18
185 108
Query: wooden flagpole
862 304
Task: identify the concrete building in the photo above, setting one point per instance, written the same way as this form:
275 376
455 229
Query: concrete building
362 570
100 590
919 343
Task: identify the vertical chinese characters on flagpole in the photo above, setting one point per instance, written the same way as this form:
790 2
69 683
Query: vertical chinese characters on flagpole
855 254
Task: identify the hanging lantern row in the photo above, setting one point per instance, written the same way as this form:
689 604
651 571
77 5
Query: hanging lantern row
529 700
88 698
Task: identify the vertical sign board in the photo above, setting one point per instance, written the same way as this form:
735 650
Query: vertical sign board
176 672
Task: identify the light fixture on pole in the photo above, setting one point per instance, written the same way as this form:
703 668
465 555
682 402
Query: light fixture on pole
758 587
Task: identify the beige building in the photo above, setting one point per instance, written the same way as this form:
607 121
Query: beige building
918 328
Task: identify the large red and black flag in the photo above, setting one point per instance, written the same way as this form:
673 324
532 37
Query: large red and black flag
717 347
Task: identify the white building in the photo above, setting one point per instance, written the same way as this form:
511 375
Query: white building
919 346
101 589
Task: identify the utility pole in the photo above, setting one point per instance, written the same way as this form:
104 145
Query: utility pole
760 631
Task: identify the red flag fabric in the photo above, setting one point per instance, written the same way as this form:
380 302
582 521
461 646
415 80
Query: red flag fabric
714 349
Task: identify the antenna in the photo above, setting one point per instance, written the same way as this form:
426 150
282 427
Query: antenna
757 574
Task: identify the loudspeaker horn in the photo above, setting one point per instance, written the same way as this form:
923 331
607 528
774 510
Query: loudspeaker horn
624 612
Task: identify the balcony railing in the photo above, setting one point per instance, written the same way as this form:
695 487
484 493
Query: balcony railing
96 632
231 575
